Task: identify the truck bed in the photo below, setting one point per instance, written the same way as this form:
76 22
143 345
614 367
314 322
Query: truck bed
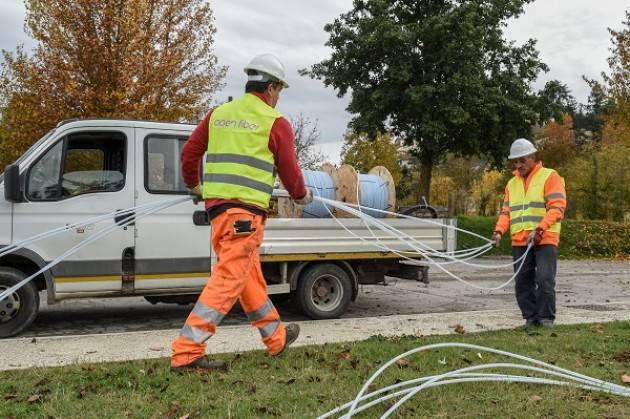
304 238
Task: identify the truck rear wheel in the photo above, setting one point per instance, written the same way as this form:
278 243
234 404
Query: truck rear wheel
19 309
324 291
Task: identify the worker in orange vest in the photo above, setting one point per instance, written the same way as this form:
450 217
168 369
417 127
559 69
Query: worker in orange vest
533 207
246 141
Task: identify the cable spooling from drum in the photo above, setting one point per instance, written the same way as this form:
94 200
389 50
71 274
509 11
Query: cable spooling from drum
325 186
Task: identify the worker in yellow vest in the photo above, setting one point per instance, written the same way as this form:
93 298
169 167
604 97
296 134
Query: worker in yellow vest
533 207
246 142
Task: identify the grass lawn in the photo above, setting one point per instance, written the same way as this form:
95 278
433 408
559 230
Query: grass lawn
311 380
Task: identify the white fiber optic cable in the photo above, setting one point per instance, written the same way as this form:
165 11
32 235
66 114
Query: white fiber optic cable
572 379
400 235
128 220
84 223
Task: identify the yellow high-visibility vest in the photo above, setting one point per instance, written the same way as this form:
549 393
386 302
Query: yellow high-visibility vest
239 164
528 209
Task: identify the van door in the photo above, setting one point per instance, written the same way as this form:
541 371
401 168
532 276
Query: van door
172 254
84 172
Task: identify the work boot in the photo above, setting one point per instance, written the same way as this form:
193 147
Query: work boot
203 364
528 323
292 333
546 322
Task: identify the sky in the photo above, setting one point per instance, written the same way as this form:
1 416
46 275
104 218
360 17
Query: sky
572 39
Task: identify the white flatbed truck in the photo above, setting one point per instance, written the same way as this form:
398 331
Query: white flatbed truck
85 168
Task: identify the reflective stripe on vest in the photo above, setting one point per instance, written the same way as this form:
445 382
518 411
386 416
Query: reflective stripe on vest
239 164
527 210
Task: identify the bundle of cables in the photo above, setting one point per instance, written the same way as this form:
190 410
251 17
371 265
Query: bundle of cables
404 391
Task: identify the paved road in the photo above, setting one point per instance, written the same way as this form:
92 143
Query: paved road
593 285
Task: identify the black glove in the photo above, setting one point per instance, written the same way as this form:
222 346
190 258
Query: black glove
535 236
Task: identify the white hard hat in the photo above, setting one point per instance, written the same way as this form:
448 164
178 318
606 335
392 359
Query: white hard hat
521 148
269 65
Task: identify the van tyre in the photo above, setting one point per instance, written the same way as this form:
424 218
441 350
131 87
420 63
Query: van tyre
19 310
324 291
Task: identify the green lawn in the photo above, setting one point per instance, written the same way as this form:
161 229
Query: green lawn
309 381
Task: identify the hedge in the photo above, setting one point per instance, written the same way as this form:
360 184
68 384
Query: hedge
579 239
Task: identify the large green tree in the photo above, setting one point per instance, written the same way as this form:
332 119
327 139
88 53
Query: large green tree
437 73
143 59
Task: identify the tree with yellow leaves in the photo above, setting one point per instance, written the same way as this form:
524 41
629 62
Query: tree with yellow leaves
364 153
136 59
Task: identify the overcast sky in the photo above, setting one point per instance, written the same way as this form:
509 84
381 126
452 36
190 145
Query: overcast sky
572 40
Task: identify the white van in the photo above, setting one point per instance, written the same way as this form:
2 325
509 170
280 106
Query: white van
84 168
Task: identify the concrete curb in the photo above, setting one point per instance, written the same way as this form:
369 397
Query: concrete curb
20 353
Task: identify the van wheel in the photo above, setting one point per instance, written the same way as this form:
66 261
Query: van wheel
19 309
324 291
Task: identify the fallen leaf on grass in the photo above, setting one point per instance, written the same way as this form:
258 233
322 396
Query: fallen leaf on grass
442 361
186 416
267 411
535 398
625 378
623 357
42 382
460 329
597 328
403 363
344 355
172 411
10 396
34 398
479 355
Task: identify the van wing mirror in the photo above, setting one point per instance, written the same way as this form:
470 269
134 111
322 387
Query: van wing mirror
12 190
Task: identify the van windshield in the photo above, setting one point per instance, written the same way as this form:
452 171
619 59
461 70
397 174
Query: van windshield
30 150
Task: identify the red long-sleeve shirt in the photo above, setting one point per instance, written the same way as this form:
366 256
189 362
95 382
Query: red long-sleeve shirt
281 145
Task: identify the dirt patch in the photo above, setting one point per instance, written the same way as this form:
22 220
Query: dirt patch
623 357
596 307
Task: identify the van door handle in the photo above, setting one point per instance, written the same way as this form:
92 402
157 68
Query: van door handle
120 219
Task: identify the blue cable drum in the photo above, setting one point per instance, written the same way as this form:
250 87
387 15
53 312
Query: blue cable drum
374 194
321 184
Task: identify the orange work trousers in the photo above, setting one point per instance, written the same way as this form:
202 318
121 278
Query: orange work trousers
236 238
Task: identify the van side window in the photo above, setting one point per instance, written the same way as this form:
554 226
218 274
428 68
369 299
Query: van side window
162 166
92 162
43 178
